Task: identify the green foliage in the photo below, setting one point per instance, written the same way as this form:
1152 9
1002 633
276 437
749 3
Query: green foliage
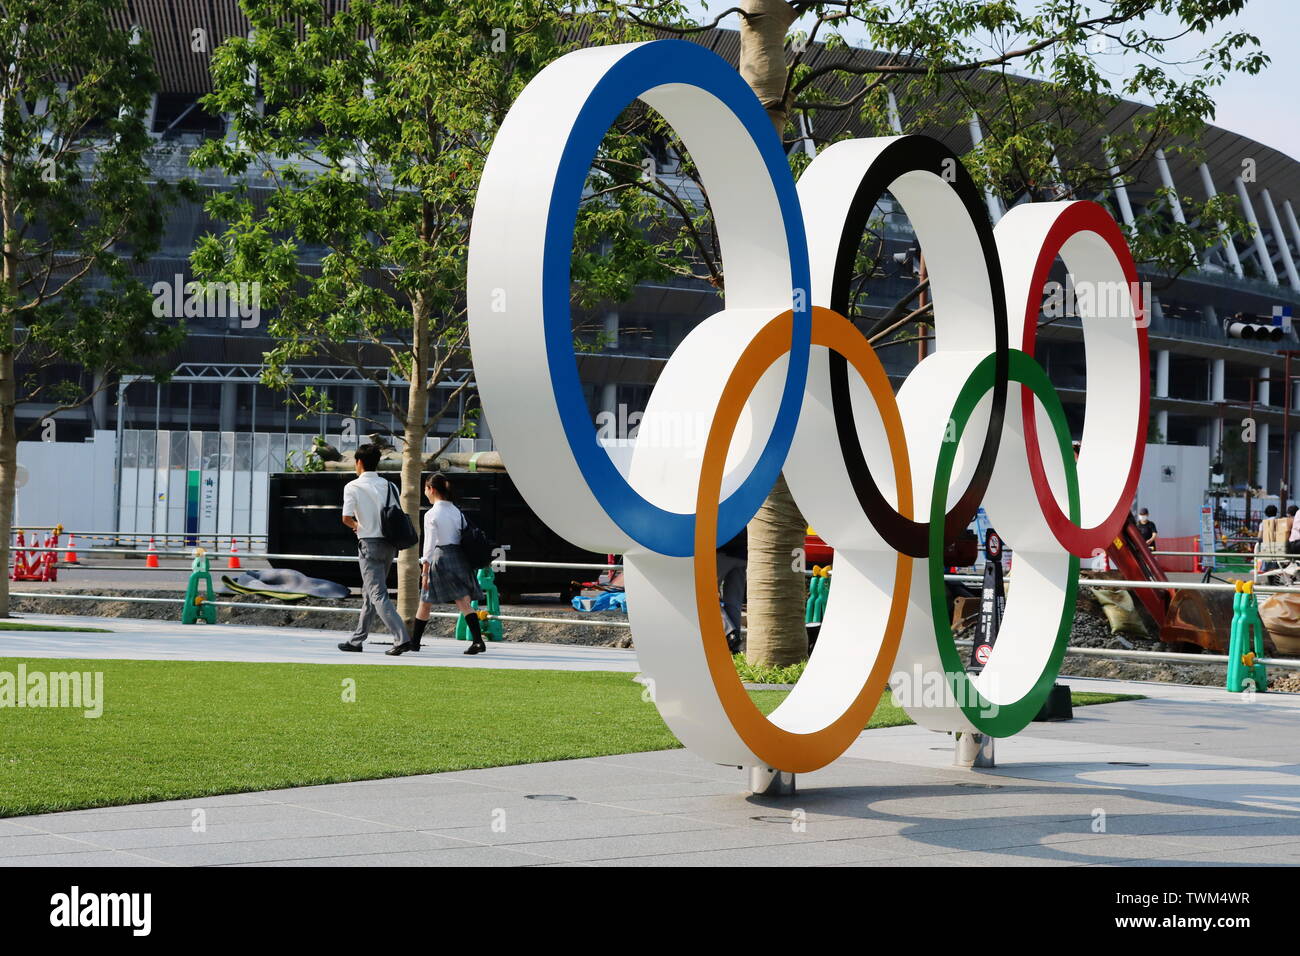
946 60
79 201
370 131
306 462
767 673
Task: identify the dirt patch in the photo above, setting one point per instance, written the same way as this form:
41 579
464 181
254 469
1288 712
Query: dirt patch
1090 629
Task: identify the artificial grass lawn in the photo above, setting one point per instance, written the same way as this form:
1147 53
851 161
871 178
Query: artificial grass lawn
173 729
176 729
6 625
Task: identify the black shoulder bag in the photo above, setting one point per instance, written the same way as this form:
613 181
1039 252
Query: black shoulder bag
476 545
395 523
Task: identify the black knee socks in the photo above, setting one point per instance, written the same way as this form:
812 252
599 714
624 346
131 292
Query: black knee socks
418 629
471 621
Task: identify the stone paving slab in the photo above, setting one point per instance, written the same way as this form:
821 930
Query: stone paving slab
1190 776
172 641
892 801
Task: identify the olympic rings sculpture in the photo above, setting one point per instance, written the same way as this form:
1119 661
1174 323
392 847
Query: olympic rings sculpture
780 381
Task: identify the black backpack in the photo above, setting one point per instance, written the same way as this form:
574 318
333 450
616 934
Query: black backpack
479 549
395 524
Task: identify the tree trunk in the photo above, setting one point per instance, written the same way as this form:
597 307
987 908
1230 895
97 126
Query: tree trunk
775 602
417 413
776 592
762 54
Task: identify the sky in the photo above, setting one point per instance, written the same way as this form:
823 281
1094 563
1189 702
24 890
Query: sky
1265 107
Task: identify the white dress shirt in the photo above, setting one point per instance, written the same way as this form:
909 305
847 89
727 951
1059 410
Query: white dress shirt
364 498
442 524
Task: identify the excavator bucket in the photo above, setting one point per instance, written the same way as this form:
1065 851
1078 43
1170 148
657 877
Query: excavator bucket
1182 616
1199 617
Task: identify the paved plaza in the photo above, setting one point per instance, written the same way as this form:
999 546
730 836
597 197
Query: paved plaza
1188 776
172 641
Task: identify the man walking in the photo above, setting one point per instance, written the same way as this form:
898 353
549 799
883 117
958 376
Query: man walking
363 502
733 559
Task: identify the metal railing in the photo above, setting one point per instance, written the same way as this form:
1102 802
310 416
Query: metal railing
188 555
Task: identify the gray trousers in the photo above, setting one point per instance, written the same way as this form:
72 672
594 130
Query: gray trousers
731 579
375 555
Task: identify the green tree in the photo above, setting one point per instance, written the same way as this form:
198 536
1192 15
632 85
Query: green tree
942 62
370 125
78 204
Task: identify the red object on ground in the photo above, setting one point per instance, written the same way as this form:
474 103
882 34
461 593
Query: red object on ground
151 561
233 564
816 551
71 556
36 565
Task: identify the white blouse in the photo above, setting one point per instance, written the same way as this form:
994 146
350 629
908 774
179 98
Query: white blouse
442 524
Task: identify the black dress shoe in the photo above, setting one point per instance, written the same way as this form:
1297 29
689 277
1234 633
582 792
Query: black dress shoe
345 646
397 650
475 648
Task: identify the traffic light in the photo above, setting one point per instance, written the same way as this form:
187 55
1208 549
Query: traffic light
1242 326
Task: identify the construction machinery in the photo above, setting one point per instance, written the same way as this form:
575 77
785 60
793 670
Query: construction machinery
1181 616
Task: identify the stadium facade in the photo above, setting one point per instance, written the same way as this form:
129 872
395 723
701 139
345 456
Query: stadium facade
1202 376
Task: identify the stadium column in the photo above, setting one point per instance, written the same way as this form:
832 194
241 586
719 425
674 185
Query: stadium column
1291 221
1257 234
1167 181
1283 246
611 330
229 406
1171 191
1228 247
1120 190
1294 473
1162 391
895 119
990 198
1216 395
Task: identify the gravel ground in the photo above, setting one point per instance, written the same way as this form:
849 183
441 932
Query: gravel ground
1091 629
268 613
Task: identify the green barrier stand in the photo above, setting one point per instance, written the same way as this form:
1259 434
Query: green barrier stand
1246 642
488 624
199 607
819 587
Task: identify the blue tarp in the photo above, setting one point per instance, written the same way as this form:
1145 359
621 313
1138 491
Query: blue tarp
604 601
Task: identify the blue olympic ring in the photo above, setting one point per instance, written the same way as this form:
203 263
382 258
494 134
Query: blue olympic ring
641 70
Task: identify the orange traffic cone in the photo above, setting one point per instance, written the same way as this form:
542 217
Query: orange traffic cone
152 560
233 563
71 556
